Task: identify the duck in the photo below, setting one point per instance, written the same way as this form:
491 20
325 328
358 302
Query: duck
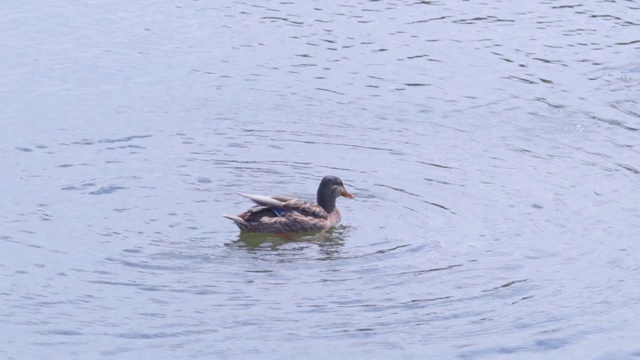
285 214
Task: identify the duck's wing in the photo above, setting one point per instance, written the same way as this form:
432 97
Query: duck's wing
306 208
275 202
283 198
300 206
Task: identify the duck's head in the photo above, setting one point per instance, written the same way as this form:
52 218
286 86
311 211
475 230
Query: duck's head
331 187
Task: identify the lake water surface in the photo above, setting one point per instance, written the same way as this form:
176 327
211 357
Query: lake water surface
494 148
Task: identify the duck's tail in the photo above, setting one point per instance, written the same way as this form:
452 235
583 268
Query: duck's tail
239 221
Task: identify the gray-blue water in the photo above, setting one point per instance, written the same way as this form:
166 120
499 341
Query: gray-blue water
493 147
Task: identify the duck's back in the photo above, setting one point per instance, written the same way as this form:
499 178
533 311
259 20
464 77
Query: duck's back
298 216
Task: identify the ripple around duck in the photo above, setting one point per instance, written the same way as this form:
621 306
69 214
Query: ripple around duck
322 246
165 334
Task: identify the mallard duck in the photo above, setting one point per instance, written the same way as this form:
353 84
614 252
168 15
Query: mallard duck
284 214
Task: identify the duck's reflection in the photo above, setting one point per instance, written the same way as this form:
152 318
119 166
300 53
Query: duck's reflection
328 242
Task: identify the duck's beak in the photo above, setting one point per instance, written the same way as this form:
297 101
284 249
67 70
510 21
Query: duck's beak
347 194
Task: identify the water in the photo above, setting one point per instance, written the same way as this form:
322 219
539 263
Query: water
493 148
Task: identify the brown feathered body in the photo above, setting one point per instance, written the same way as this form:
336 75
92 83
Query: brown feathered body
298 216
